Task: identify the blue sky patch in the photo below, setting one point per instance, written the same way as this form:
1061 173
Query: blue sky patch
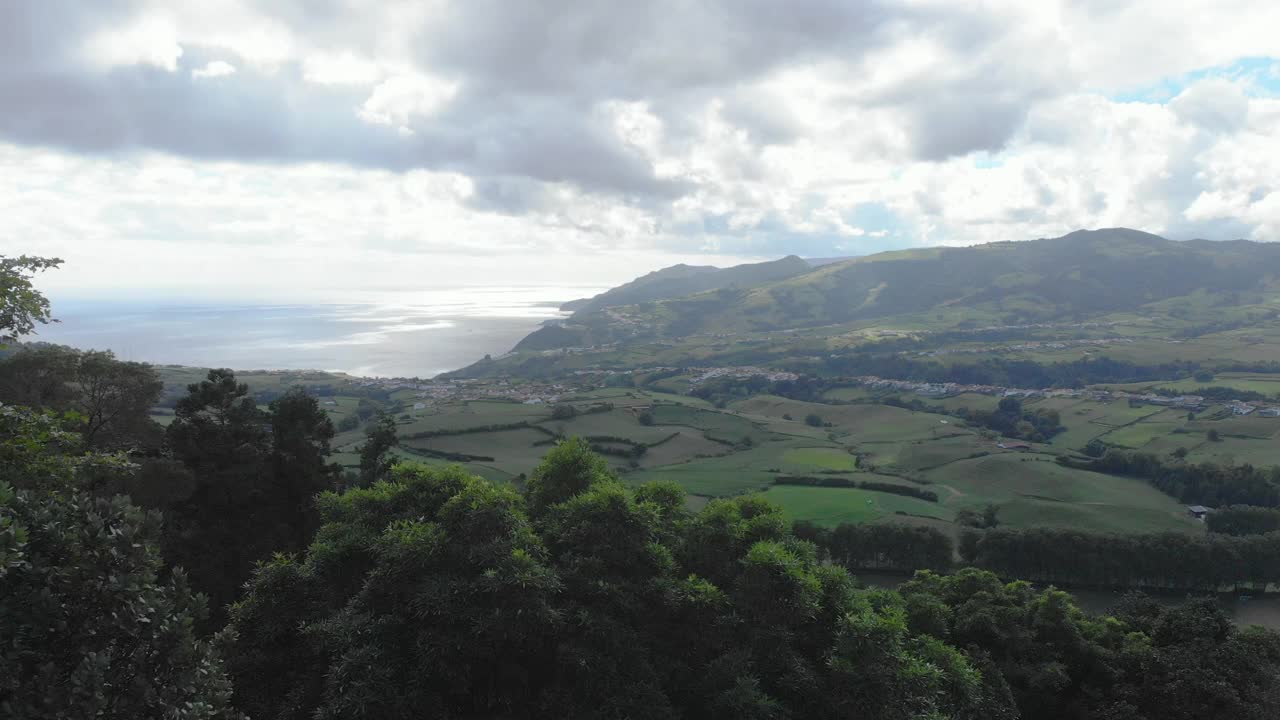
1260 75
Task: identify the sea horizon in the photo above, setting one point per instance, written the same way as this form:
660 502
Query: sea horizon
397 334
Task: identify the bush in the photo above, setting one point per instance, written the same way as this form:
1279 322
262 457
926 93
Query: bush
90 629
813 420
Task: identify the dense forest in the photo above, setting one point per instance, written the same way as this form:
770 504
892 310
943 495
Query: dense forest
223 567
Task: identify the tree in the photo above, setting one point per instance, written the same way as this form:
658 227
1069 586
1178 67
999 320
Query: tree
300 432
570 468
230 519
112 399
115 399
92 627
1213 435
39 376
22 307
218 428
376 459
813 420
436 593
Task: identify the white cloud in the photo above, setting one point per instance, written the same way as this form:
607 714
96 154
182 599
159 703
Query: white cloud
401 99
148 40
217 68
344 68
383 139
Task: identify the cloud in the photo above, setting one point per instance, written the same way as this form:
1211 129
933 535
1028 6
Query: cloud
216 68
1216 105
574 128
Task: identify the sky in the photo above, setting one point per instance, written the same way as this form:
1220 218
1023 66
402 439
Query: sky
305 149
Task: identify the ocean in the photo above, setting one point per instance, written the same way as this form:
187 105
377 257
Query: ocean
418 334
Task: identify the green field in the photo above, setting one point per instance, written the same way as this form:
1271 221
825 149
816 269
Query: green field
1268 385
832 506
744 447
821 458
1032 490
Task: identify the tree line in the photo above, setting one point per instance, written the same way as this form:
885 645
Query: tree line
835 481
1193 483
1224 559
1170 561
1243 520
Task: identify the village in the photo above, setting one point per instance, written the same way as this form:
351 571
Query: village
1192 403
428 392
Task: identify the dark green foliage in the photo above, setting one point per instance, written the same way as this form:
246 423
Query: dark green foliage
813 420
563 412
40 451
904 490
986 519
111 399
348 423
1175 561
435 595
497 427
89 629
1056 661
300 435
1196 484
252 473
888 546
1196 665
441 455
1243 520
375 455
565 471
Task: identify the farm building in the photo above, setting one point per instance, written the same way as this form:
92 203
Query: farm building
1198 511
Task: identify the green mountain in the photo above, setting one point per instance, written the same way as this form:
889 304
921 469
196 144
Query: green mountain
1075 277
681 280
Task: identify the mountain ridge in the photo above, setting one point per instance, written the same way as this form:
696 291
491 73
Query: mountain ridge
680 280
1077 275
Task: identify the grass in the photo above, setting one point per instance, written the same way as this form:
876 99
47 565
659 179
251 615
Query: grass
861 423
965 470
732 474
513 451
715 424
822 458
832 506
1255 382
1038 491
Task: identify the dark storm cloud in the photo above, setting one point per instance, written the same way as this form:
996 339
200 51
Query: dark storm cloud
531 77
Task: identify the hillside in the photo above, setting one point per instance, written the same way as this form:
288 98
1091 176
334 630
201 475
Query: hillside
1075 277
681 280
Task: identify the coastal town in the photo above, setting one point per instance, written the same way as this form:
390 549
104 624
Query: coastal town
428 392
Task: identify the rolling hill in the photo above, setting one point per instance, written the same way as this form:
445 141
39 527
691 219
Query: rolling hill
680 280
1079 276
